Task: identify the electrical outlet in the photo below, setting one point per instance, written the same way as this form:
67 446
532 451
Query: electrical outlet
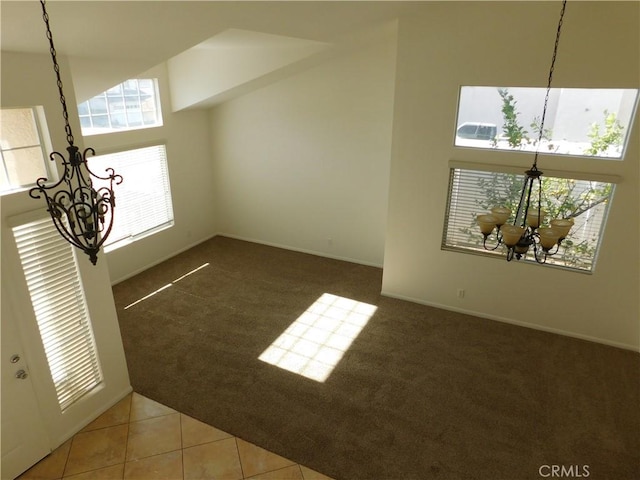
461 293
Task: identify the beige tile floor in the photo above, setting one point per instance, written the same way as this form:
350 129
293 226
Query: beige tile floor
141 439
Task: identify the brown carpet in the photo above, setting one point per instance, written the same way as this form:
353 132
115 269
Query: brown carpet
421 394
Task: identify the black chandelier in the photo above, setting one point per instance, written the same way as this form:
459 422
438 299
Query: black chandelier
526 231
82 214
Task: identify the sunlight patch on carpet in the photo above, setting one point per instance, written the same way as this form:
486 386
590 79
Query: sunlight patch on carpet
313 345
191 272
166 286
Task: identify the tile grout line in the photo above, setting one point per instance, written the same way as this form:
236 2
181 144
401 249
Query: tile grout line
181 447
127 423
126 444
181 418
66 460
235 440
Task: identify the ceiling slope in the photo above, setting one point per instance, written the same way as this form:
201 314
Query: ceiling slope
109 41
206 73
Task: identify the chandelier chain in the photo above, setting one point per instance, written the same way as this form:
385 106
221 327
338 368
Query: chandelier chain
527 231
56 68
551 69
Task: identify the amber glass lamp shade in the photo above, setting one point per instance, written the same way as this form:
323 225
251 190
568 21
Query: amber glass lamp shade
548 237
487 223
501 213
511 234
533 220
562 226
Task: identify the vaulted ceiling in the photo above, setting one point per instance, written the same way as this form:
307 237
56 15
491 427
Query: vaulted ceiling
109 41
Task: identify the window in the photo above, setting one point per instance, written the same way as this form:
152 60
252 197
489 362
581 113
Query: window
131 105
473 192
21 148
143 199
579 121
58 301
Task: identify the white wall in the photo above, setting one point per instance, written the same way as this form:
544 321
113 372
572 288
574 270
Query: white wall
186 136
304 163
442 46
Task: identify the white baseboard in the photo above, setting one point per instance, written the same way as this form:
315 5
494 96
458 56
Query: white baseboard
160 260
302 250
557 331
246 239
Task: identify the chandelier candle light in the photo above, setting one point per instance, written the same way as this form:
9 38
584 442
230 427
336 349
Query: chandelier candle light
81 214
526 232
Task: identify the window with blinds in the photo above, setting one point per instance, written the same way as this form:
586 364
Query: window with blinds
474 192
58 301
143 199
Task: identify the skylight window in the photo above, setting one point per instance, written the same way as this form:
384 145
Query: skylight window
131 105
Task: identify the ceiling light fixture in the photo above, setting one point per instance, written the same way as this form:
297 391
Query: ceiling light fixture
526 231
81 214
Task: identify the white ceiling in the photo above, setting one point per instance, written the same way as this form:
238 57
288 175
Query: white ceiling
161 29
129 37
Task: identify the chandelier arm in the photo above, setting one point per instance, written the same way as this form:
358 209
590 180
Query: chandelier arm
552 251
498 242
540 254
526 209
539 201
40 182
111 174
102 211
525 198
57 210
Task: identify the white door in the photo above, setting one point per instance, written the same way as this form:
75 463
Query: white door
34 419
24 438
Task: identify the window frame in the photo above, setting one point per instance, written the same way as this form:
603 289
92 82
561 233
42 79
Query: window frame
549 173
530 148
107 96
50 171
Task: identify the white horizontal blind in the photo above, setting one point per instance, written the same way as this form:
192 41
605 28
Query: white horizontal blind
59 305
473 192
143 199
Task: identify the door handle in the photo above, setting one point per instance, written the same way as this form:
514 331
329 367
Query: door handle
21 374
